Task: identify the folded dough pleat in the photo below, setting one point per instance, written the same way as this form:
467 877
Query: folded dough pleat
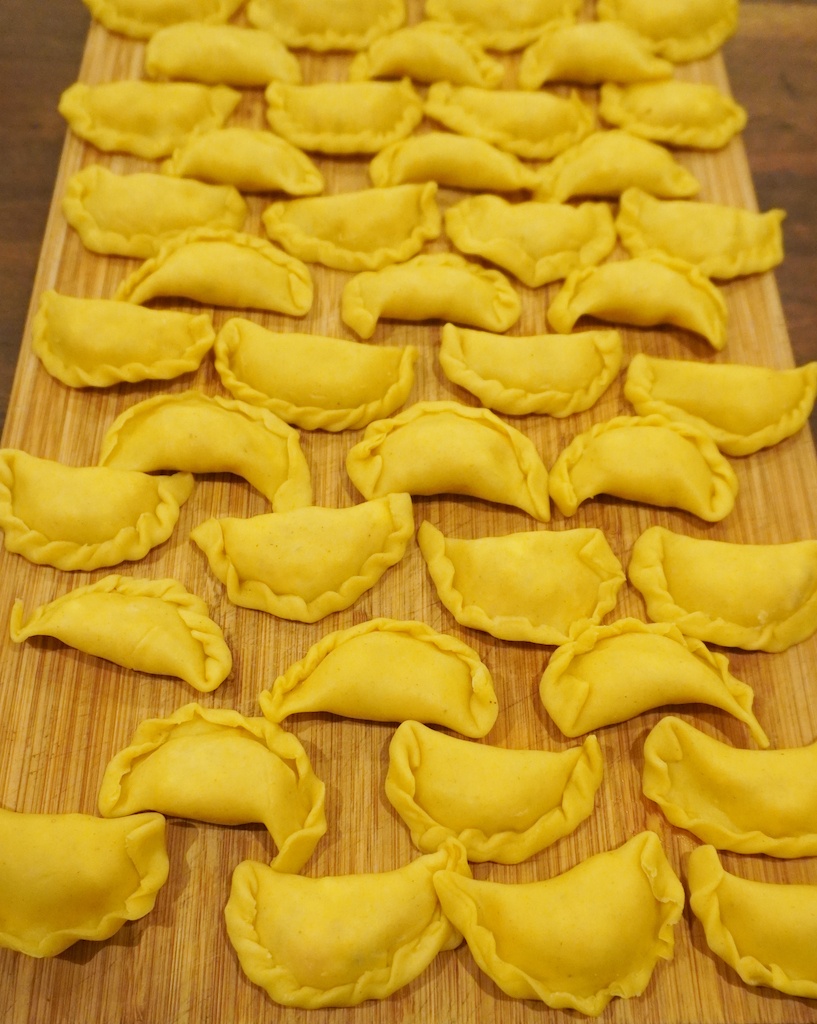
590 53
554 374
535 126
327 24
610 674
578 939
253 161
722 241
608 163
513 587
220 54
389 671
361 230
765 931
223 268
682 30
215 765
100 342
647 459
147 119
761 597
457 161
536 242
343 117
646 291
430 51
501 26
142 18
315 382
200 433
135 214
309 562
748 801
502 805
338 940
448 448
437 286
743 408
677 113
68 877
154 626
113 515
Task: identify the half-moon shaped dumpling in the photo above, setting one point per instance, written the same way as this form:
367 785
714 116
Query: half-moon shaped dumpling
502 805
683 30
338 940
648 459
766 931
677 113
457 161
589 53
327 24
436 286
749 801
722 241
214 54
199 433
610 674
68 877
761 597
253 161
645 291
744 408
223 268
556 374
536 242
533 125
135 214
99 342
448 448
148 119
315 382
388 671
361 230
564 940
343 117
141 18
154 626
215 765
513 587
309 562
430 51
498 25
85 517
607 163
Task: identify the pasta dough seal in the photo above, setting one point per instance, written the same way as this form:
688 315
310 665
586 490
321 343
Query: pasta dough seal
561 940
513 586
761 597
747 801
154 626
386 671
647 459
309 562
448 448
502 805
215 765
68 877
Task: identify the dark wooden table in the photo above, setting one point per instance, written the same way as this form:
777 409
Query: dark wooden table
771 68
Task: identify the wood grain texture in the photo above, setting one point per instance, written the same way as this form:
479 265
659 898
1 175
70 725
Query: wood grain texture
64 715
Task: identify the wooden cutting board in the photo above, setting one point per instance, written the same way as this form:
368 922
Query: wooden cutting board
63 714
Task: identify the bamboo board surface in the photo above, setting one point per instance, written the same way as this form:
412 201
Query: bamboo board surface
65 714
